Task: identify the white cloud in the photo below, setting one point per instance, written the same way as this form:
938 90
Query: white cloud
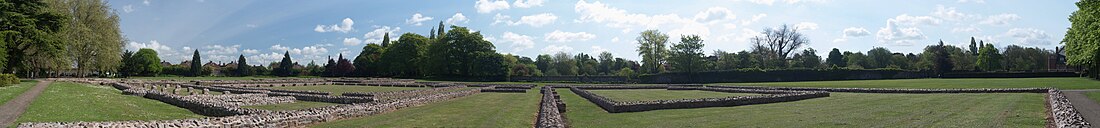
971 1
128 8
806 26
755 18
221 50
852 32
457 18
417 19
146 2
893 35
352 41
519 42
250 51
251 25
615 40
264 59
596 50
1001 19
375 36
715 14
344 26
556 48
528 3
905 19
153 44
597 12
970 29
1030 36
560 36
485 6
949 13
537 20
772 2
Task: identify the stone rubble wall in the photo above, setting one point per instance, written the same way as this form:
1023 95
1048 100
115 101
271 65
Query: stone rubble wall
550 110
296 118
635 106
1065 116
892 90
247 99
500 86
505 90
402 94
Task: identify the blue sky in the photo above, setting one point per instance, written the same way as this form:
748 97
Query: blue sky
262 30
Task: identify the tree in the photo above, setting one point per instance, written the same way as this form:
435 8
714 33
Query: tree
92 35
687 56
989 58
1081 42
441 32
1018 58
776 44
543 62
726 60
807 59
651 46
940 59
857 60
344 67
286 66
146 63
196 64
243 67
368 62
880 57
836 59
564 65
330 68
460 52
127 66
30 37
401 57
607 61
386 40
973 47
586 65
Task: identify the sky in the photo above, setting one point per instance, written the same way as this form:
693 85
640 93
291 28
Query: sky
262 30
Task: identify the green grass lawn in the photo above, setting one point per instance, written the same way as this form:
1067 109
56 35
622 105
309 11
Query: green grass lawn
1094 95
10 92
297 105
838 110
340 89
484 110
68 102
1065 83
622 95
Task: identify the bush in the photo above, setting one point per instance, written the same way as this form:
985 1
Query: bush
8 80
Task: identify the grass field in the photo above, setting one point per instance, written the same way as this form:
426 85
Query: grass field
340 89
484 110
1094 95
661 94
68 102
838 110
292 106
1065 83
9 92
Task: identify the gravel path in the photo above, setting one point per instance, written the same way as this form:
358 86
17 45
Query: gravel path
1089 109
15 107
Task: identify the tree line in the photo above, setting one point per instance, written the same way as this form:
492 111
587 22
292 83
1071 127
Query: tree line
44 38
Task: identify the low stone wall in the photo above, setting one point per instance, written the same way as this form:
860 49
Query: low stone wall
402 94
550 110
246 99
1065 116
775 96
200 105
296 118
894 90
515 86
506 90
624 87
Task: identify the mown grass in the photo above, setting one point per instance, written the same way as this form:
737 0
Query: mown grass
69 102
1065 83
838 110
1094 95
340 89
297 105
10 92
484 110
622 95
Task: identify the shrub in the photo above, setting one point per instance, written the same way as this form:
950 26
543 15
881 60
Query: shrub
8 80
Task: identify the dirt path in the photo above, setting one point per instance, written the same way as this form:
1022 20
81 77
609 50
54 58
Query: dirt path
1089 109
15 107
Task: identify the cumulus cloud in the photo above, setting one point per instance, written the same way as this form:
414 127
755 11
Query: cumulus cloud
457 18
352 41
970 29
971 1
344 26
806 26
375 36
905 19
949 13
146 2
772 2
596 50
1029 36
536 20
852 32
519 42
560 36
250 51
556 48
527 3
895 35
221 50
417 19
715 14
486 6
1001 19
597 12
755 18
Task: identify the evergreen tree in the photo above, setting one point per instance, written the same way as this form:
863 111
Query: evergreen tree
836 59
242 67
973 47
941 59
196 64
385 40
286 66
440 32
